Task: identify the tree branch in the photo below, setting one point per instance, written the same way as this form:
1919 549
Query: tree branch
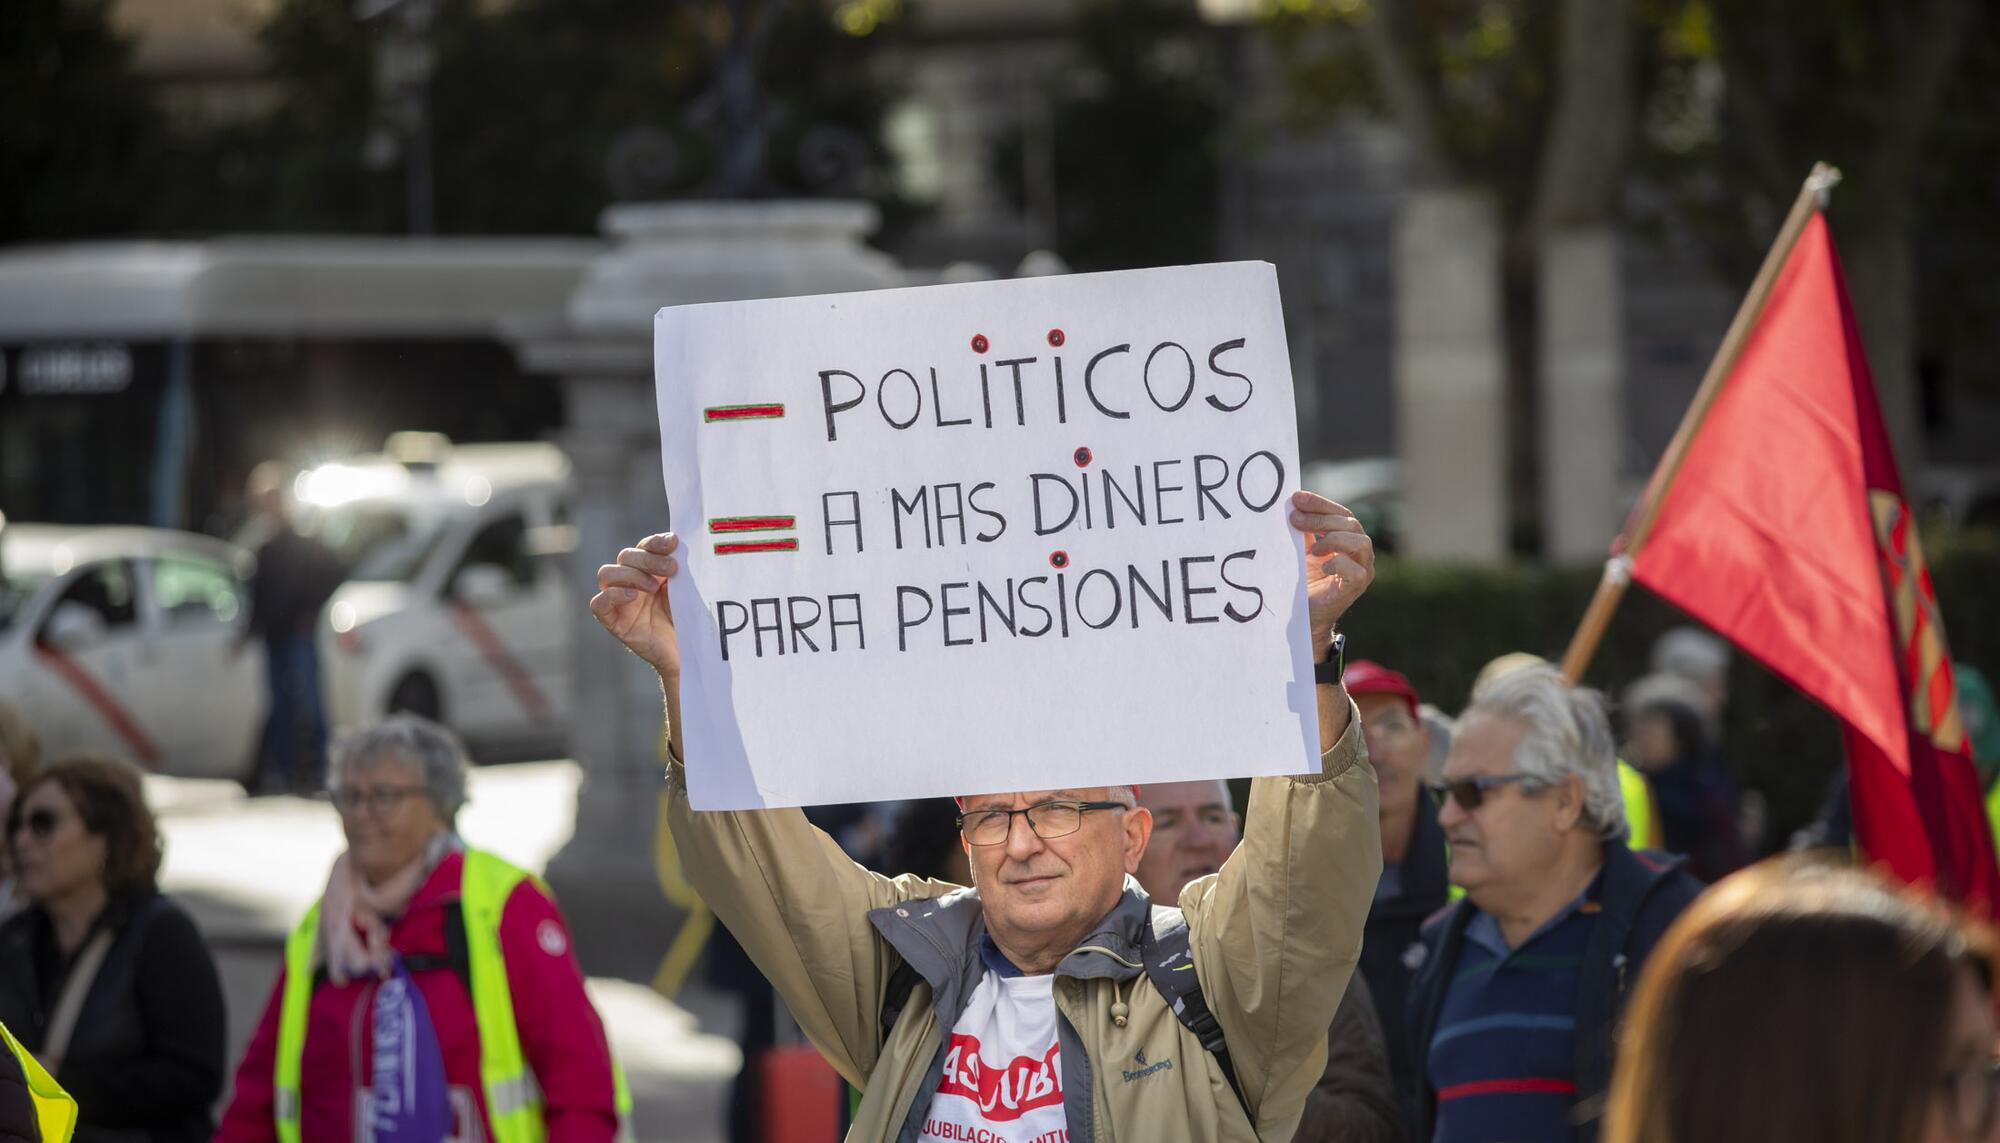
1408 102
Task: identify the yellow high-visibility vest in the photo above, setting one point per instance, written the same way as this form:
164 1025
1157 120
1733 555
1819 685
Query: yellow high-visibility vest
513 1098
55 1111
1993 810
1639 813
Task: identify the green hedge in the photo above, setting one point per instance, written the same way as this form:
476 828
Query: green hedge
1439 625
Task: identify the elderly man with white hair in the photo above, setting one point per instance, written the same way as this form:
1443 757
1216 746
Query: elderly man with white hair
1052 1001
1513 1010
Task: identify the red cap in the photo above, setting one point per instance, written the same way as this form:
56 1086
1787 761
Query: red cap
1364 677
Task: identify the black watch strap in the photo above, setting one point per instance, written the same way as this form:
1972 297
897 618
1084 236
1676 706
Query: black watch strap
1327 671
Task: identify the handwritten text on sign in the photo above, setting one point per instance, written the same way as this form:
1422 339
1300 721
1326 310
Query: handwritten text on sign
997 536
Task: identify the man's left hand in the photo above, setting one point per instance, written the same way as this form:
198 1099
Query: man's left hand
1340 562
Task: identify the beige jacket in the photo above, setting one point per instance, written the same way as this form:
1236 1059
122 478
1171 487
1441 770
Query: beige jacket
1275 936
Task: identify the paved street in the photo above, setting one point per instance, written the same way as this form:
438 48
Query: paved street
248 868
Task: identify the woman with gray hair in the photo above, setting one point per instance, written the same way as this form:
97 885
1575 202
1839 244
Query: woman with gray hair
1523 978
432 987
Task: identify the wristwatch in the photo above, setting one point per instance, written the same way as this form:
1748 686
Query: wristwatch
1327 671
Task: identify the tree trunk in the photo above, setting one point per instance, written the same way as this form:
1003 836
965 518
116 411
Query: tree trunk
1878 263
1577 179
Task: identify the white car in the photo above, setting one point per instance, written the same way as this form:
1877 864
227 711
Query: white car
126 640
458 604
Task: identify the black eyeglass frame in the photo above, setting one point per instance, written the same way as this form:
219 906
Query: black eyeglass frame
1081 808
1470 793
380 799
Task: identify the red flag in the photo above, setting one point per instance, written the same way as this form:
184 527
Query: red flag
1785 529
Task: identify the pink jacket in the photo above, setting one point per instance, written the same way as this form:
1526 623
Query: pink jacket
561 1035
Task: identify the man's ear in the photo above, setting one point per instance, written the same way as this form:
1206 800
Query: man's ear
1138 831
1569 802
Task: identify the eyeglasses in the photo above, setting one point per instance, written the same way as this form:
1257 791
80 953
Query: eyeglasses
41 823
1470 793
381 799
1047 819
1974 1092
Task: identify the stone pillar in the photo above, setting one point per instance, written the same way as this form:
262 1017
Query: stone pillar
604 876
664 254
1582 365
1451 423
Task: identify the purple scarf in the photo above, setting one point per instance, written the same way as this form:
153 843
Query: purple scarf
410 1103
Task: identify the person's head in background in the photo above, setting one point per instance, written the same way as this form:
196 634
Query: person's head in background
1804 1000
20 761
1702 659
1982 718
398 785
1195 827
80 832
1533 795
1500 666
1440 726
1399 748
1663 722
265 491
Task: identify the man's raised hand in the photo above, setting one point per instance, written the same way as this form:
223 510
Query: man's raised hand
1340 561
631 601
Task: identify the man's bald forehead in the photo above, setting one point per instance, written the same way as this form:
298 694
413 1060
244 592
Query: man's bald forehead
1126 794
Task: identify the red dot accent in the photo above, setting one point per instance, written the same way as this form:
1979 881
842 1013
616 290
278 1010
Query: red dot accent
1082 457
979 343
1056 338
1058 559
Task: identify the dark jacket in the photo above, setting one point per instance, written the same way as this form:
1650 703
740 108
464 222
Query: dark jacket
1392 944
1354 1101
19 1122
295 577
146 1059
1642 894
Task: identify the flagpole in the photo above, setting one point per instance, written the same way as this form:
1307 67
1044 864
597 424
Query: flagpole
1617 570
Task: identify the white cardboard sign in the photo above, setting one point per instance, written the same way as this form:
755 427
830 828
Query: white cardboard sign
998 536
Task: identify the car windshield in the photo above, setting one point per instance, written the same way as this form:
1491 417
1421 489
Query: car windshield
380 541
16 588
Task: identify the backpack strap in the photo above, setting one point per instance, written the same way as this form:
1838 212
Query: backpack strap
457 956
896 997
1165 948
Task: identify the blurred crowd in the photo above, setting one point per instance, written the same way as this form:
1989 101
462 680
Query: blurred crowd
1511 941
1682 821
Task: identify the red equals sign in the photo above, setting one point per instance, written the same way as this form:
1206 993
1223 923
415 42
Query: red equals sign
763 412
733 525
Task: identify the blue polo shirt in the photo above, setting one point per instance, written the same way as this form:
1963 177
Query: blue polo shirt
1503 1057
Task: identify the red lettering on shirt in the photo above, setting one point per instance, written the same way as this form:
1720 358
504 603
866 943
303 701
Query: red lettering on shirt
1002 1094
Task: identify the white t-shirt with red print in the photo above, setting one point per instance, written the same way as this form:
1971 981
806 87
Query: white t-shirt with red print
1003 1068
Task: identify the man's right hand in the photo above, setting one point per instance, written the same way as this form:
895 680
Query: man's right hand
631 602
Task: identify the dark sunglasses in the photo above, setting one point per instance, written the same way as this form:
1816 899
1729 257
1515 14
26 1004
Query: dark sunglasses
41 823
1470 793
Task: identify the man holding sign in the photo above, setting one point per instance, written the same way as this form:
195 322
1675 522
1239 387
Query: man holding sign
1053 1001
